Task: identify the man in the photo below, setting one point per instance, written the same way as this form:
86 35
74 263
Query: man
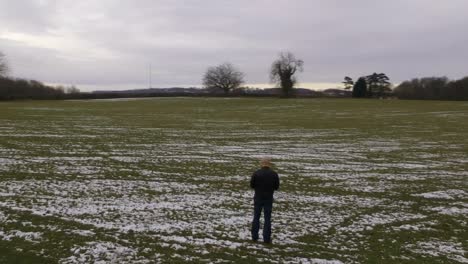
265 181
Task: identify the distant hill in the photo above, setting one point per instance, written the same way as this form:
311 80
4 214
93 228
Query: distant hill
334 92
172 90
193 91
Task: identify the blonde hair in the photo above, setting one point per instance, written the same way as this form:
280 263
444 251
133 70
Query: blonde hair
265 162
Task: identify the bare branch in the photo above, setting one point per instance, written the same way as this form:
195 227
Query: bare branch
283 70
225 77
3 65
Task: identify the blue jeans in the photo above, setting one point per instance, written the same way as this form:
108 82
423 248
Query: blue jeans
267 206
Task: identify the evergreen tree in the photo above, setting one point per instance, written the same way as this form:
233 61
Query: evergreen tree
360 88
378 84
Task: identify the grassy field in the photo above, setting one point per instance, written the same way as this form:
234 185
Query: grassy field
166 180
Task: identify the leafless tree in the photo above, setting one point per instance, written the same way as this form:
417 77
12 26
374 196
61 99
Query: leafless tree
283 70
3 65
225 77
72 90
348 82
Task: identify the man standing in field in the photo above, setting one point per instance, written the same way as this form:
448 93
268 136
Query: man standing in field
265 181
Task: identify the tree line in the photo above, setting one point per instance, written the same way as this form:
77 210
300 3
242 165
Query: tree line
226 79
373 85
433 88
12 89
16 88
428 88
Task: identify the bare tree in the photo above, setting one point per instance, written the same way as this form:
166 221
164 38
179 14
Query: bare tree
225 77
348 82
72 90
3 65
283 70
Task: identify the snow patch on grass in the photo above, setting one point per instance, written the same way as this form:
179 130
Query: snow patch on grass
447 194
103 252
28 236
437 248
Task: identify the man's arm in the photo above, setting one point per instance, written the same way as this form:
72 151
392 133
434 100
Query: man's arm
252 181
277 181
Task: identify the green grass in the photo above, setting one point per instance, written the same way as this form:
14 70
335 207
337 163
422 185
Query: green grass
166 180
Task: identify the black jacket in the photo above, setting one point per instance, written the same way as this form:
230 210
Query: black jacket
265 181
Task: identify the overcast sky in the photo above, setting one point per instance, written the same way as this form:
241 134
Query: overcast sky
109 44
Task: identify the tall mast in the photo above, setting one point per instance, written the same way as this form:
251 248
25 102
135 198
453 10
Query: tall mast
150 84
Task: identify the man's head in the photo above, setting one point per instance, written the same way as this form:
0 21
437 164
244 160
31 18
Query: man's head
265 162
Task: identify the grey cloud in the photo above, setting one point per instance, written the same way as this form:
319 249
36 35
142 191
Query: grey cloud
404 38
27 15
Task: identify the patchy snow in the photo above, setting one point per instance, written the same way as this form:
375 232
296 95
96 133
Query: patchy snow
28 236
447 194
134 193
103 252
437 248
82 232
312 261
451 210
368 222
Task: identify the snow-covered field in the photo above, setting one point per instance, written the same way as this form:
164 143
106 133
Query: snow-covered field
166 181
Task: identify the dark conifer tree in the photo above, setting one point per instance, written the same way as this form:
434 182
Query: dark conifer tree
360 88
